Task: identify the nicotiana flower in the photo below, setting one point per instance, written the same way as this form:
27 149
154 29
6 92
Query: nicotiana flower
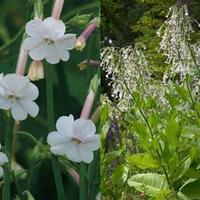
18 94
3 160
47 39
74 138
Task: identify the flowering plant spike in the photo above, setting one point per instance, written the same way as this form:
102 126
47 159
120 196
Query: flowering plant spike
18 94
47 40
74 138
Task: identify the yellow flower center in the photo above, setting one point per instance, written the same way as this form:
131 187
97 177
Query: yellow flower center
75 140
49 41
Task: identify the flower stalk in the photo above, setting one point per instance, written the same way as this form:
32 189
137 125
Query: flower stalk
50 124
22 60
57 9
6 194
81 41
87 107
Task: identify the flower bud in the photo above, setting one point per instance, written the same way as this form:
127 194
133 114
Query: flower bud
80 43
36 70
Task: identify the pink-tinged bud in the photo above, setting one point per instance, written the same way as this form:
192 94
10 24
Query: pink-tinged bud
81 40
57 9
36 70
87 107
74 174
22 60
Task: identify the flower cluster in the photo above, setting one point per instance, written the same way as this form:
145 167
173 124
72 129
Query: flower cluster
126 68
47 40
76 139
17 94
176 35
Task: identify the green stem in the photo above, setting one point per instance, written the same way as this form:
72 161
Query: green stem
93 176
50 124
8 146
83 191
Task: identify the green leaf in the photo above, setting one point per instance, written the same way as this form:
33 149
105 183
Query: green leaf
191 190
151 183
172 132
120 175
142 160
183 93
182 168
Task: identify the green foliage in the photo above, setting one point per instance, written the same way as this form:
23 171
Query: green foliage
151 183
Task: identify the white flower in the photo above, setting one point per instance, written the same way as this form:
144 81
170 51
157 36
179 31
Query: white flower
3 160
48 40
75 139
18 93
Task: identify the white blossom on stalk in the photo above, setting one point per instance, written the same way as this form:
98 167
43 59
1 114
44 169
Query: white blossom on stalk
47 40
18 94
3 160
74 138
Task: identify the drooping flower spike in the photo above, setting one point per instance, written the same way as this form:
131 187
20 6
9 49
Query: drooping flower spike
47 40
74 138
3 160
17 94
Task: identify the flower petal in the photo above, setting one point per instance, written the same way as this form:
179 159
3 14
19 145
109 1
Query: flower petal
16 84
64 125
61 149
53 28
91 142
18 112
62 54
31 93
32 42
86 155
67 42
1 172
73 154
52 56
39 52
5 104
3 158
55 138
30 107
83 127
33 27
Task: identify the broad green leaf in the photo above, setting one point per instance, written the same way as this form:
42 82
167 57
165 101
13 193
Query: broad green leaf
192 190
151 183
120 174
172 132
182 168
142 160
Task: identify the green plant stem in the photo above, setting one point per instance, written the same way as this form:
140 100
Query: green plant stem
191 98
83 191
50 124
152 136
8 145
93 176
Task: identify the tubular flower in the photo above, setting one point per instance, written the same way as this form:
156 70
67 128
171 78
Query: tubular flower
74 138
47 40
3 160
18 93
